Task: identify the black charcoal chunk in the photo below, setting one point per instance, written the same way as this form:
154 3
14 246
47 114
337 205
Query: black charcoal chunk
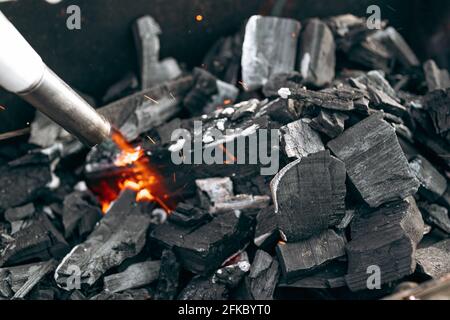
281 80
201 288
202 92
436 104
400 49
435 77
19 213
309 195
332 124
387 238
266 232
270 47
300 140
436 215
233 271
188 215
434 260
131 295
432 183
317 54
375 161
263 277
169 275
300 258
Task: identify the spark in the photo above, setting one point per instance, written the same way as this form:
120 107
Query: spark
199 17
227 102
151 99
2 108
174 177
151 140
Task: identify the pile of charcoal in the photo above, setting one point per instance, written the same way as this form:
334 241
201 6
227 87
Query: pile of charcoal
358 206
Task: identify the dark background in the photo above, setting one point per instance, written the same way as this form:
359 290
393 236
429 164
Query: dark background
93 58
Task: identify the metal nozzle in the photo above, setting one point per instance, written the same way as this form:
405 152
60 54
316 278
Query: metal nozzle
53 97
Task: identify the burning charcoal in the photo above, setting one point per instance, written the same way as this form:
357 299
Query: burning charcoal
385 237
19 213
210 245
121 234
266 233
232 273
18 281
436 104
146 33
432 183
169 275
436 78
263 277
270 47
135 276
309 195
281 80
39 241
300 140
188 215
436 216
205 87
299 258
22 184
81 211
128 85
332 276
389 177
333 99
203 289
317 54
330 124
133 295
123 110
434 260
398 46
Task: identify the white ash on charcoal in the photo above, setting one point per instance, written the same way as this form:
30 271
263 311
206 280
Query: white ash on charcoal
266 230
317 54
297 259
153 71
263 277
372 143
121 234
202 249
233 271
432 183
300 140
434 260
386 237
309 195
270 47
436 78
436 215
17 282
281 80
169 275
135 276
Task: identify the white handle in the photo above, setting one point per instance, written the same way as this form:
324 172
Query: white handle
20 66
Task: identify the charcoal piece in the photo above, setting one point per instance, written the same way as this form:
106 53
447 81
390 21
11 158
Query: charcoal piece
37 242
200 288
19 213
436 215
18 281
263 277
345 222
436 78
22 184
132 295
385 237
81 212
126 86
432 183
205 87
169 274
300 140
45 132
214 190
309 195
135 276
300 258
232 273
278 110
434 260
270 47
210 245
330 124
226 95
266 231
188 215
330 277
372 52
121 234
281 80
400 49
445 199
436 104
146 35
317 54
332 99
383 101
165 131
372 143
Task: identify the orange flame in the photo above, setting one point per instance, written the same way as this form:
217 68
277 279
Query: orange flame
138 176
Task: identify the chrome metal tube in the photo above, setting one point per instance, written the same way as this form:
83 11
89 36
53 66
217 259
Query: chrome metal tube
53 97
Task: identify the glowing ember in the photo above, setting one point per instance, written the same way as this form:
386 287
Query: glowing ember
137 176
199 17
